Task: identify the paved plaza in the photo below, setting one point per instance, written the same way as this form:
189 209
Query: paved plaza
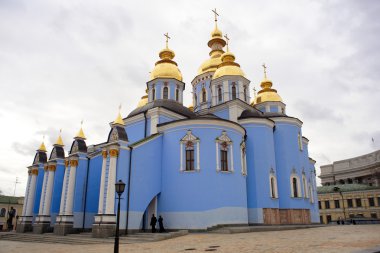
348 238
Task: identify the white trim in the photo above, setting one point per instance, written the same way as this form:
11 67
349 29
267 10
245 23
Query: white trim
305 188
164 112
293 121
133 119
261 121
215 122
181 156
195 140
217 156
162 91
219 140
299 193
272 175
243 157
144 142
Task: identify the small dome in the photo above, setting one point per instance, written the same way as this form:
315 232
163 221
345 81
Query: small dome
166 67
216 33
251 114
228 67
143 101
267 94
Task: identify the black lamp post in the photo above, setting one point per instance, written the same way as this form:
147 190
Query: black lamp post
119 188
337 189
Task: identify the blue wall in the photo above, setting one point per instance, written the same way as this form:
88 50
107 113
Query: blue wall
57 190
39 182
80 190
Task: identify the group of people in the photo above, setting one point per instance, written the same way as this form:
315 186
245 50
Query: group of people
153 222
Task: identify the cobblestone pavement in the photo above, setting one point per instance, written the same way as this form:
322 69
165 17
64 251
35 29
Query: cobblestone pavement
348 238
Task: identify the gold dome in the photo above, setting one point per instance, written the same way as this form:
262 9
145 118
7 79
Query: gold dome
166 67
267 94
80 134
216 43
228 67
59 141
42 147
143 101
191 108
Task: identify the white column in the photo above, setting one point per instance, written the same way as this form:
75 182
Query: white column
32 192
153 124
27 192
232 157
217 156
198 158
102 182
71 188
43 191
181 156
226 92
64 189
49 189
110 200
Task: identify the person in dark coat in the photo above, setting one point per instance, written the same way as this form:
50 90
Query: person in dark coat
11 214
153 222
161 224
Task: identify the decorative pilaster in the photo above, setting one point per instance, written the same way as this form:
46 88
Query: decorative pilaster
71 186
102 182
64 188
49 189
110 200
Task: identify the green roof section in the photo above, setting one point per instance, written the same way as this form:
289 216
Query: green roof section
9 199
144 140
346 188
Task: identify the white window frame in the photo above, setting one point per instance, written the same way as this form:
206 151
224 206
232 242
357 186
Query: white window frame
218 142
196 142
243 157
272 175
294 175
304 184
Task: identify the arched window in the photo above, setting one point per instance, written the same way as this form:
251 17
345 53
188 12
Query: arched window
272 187
245 93
224 157
295 187
305 189
273 184
153 94
300 146
243 159
220 94
204 95
166 93
195 99
233 91
189 156
224 154
176 95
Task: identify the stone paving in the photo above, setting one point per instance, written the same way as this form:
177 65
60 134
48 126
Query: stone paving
348 238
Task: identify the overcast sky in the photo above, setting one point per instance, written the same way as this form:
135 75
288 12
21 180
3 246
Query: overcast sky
64 61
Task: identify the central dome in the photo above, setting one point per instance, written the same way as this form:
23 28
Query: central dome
228 67
166 67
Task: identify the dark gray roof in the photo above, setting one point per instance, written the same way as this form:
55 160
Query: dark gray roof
251 114
82 147
60 153
42 157
121 133
208 116
169 104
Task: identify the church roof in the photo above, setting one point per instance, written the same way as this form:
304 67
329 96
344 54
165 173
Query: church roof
60 153
171 105
42 157
251 114
82 147
121 133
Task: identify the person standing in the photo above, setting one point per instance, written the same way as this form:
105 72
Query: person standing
161 224
11 214
153 222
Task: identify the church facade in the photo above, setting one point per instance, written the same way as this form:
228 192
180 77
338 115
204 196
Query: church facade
223 160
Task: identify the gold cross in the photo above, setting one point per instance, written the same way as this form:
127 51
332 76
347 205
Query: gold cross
119 107
227 40
216 15
265 70
167 39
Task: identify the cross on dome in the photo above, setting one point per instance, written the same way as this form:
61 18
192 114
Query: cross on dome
265 70
167 38
227 41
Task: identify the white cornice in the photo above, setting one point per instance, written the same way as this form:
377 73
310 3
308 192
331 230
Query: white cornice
134 119
293 121
261 121
221 123
164 112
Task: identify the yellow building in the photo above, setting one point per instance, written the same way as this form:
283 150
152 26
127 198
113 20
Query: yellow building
6 202
348 201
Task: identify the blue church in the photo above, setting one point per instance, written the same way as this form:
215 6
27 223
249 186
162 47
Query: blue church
227 159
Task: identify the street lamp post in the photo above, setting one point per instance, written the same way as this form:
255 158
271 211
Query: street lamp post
337 189
119 188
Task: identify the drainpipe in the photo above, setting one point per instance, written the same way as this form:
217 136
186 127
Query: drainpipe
129 188
85 194
145 127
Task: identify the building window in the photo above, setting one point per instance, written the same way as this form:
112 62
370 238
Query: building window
166 93
295 186
358 202
351 215
204 95
300 145
321 219
319 205
328 218
337 204
371 201
327 204
153 94
176 95
304 184
220 94
224 154
189 155
243 159
233 91
273 186
224 158
189 152
245 93
378 201
374 215
349 203
2 212
195 99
